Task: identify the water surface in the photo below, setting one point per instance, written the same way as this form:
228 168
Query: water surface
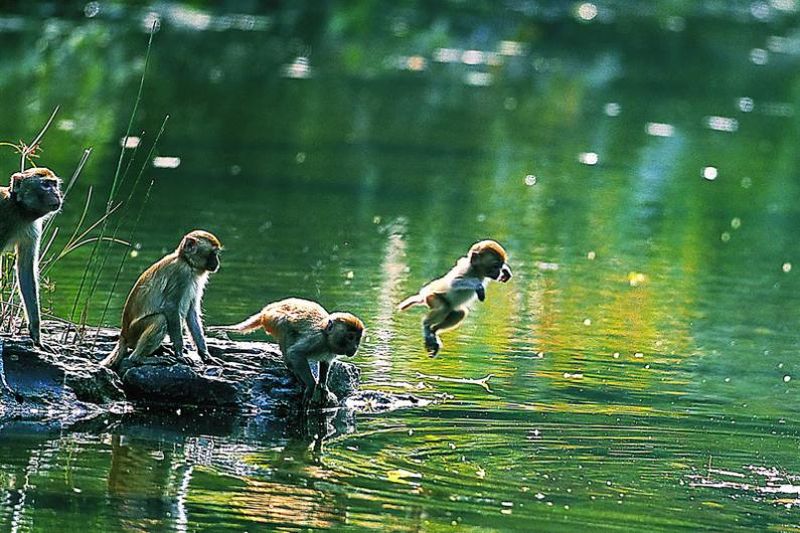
639 163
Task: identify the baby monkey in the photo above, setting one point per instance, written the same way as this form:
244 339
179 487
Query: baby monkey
167 295
306 332
448 297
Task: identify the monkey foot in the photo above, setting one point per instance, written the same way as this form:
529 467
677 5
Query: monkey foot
433 345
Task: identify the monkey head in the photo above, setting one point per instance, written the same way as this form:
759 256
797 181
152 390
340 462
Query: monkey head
343 333
37 191
201 250
489 260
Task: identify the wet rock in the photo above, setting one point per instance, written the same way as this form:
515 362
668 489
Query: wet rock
254 378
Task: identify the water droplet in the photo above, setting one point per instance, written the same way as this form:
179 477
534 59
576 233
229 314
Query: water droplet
587 322
710 173
591 256
481 217
725 237
787 379
616 355
530 180
736 223
787 267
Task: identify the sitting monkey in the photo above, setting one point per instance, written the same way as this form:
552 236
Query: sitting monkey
167 295
448 297
306 332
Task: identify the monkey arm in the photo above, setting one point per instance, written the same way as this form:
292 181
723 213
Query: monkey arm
470 284
195 325
27 277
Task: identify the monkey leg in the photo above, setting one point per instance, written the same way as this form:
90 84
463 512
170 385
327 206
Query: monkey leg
149 339
322 396
439 312
452 320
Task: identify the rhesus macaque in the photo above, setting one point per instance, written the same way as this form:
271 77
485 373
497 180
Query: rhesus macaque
306 332
167 295
32 196
448 297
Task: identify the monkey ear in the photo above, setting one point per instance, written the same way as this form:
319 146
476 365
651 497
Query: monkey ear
474 257
189 244
15 179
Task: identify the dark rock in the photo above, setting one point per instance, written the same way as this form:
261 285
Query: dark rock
254 378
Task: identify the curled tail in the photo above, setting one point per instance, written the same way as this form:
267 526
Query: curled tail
411 301
113 359
248 326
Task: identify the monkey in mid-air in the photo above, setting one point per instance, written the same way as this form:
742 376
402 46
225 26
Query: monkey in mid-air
33 195
448 297
306 332
167 295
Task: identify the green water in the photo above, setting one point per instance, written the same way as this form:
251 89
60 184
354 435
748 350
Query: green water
644 357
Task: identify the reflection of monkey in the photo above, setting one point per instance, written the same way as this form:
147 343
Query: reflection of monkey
33 195
306 332
449 296
165 295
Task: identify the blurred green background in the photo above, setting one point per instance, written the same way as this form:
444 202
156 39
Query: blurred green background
638 160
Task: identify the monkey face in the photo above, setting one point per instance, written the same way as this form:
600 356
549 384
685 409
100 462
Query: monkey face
37 190
490 265
344 333
201 250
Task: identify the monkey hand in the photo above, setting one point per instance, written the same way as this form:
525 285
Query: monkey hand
45 347
481 292
322 397
210 360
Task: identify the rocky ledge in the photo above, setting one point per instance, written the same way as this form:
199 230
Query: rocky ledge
67 381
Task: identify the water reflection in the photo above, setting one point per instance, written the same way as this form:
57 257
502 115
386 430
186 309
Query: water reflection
637 160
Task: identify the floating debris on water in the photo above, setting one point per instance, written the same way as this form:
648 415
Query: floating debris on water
736 222
130 142
545 266
588 158
299 69
166 162
576 375
710 173
759 56
745 104
591 255
787 379
636 279
587 322
612 109
787 267
530 180
725 237
657 129
722 123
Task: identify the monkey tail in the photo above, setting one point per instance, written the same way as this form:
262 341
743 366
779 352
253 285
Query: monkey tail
248 326
411 301
113 359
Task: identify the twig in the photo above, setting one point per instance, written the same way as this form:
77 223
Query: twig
483 382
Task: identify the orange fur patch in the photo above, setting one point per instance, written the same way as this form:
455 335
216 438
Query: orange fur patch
490 246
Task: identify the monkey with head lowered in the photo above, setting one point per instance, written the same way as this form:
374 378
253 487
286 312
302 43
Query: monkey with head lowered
165 297
306 332
448 297
33 195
